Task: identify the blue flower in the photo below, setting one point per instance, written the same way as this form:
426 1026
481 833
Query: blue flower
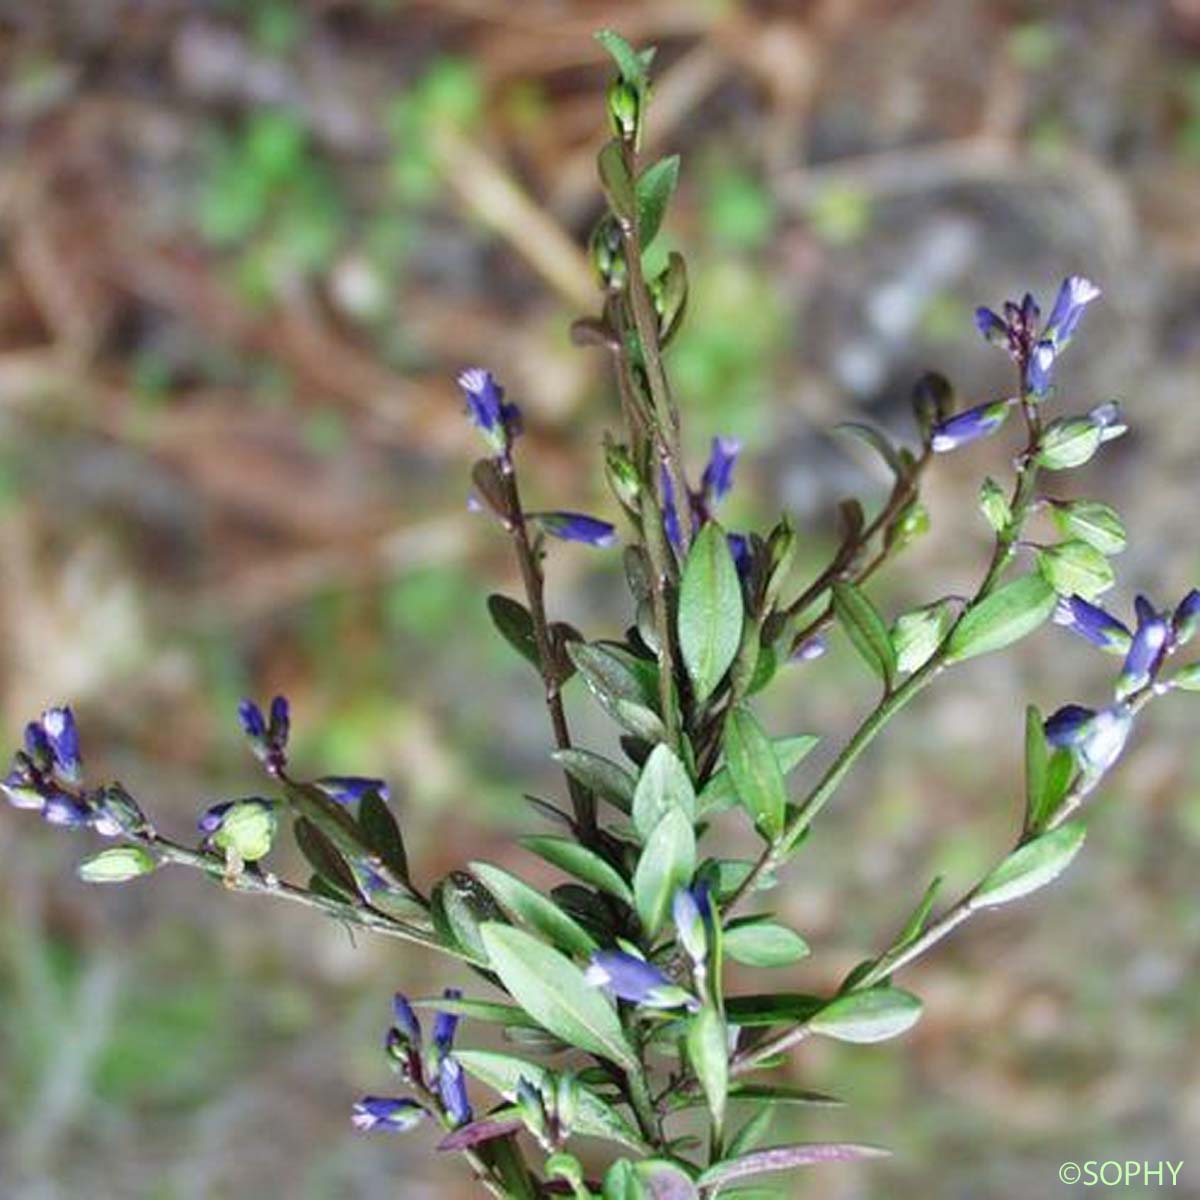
1068 726
1090 621
576 527
346 789
1147 650
634 979
446 1023
1075 294
717 480
1095 738
268 737
993 327
61 808
19 785
59 727
692 912
1041 363
497 421
452 1087
406 1018
978 422
387 1113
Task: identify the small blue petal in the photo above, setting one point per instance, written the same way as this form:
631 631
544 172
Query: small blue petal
251 717
1075 294
1090 621
386 1113
452 1086
970 426
61 733
406 1018
63 809
346 789
281 722
576 527
446 1023
717 480
627 976
992 326
212 818
1068 726
1041 363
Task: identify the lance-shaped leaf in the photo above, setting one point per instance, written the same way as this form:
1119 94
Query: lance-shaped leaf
325 858
752 1134
382 833
784 1158
459 906
1096 523
332 820
915 925
553 990
719 793
1032 866
778 1094
711 611
754 771
655 186
708 1052
530 906
663 786
490 485
581 862
873 1015
1048 773
608 780
630 63
1007 615
878 441
663 1180
761 942
779 1008
618 689
867 630
614 178
668 863
594 1117
491 1011
515 625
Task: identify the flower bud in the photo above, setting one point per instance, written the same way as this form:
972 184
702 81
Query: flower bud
622 475
1093 623
1095 523
115 811
624 105
1075 568
1146 652
576 527
978 422
691 912
917 634
532 1109
1068 442
117 865
932 402
634 979
1186 620
608 255
387 1114
994 504
566 1101
244 827
669 291
910 524
452 1087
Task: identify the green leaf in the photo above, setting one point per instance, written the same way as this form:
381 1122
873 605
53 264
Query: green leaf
917 634
594 1117
515 625
614 178
994 504
777 1008
1047 774
663 786
710 611
552 989
873 1015
117 865
581 862
778 1094
1007 615
630 63
866 629
325 858
708 1052
459 906
531 907
784 1158
1097 524
760 942
382 834
664 1180
622 1183
719 793
1032 866
481 1010
668 863
608 780
618 689
754 770
655 186
915 925
1187 678
752 1133
330 818
1076 568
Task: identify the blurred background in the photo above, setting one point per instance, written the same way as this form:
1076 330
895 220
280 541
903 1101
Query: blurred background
245 245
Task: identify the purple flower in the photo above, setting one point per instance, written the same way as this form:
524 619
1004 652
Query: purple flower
346 789
213 817
1187 617
281 721
1041 363
59 727
497 421
1075 294
406 1018
37 746
387 1113
268 737
446 1023
452 1087
251 718
1090 621
717 480
1095 738
1147 650
633 979
19 785
576 527
992 326
692 912
970 426
61 808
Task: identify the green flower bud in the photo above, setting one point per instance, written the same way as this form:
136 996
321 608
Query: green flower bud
932 401
608 255
532 1109
1076 569
1095 523
995 505
669 290
566 1101
908 526
1069 442
624 105
118 865
248 829
622 475
917 634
